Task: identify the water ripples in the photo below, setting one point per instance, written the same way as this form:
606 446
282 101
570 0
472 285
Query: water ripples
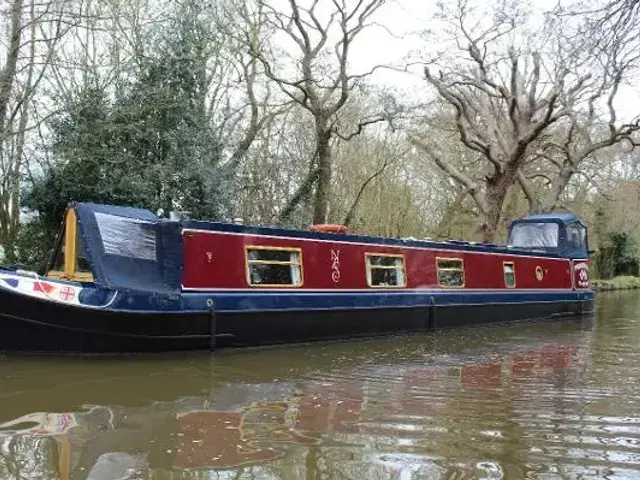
544 401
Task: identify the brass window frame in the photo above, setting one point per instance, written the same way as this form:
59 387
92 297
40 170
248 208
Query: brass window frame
504 274
369 267
451 269
249 262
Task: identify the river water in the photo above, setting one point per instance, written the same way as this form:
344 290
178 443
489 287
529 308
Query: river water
541 400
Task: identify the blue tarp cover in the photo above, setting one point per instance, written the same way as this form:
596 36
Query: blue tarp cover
131 248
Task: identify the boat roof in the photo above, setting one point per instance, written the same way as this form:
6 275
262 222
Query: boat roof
450 244
565 218
123 211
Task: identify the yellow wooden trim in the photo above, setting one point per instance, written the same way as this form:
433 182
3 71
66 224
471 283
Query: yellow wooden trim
451 269
504 274
369 267
70 243
266 247
70 225
377 254
248 263
82 276
56 274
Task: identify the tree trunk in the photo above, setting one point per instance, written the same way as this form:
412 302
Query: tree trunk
323 187
497 189
352 210
302 193
557 188
7 80
8 73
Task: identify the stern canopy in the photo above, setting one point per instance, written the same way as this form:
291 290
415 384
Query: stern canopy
561 233
130 248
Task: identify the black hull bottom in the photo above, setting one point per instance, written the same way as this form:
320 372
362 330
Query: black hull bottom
30 325
291 327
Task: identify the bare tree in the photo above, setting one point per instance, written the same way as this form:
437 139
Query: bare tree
319 78
610 36
243 34
270 172
565 154
34 30
7 86
505 99
605 25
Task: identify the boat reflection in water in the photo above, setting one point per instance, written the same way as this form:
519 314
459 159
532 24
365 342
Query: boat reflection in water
282 414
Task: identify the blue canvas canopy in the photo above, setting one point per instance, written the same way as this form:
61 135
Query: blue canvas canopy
130 248
561 233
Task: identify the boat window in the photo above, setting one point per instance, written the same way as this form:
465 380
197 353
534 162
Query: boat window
509 274
127 237
274 266
385 270
82 262
528 235
576 236
450 272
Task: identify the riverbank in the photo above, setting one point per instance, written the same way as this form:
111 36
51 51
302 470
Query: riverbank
616 283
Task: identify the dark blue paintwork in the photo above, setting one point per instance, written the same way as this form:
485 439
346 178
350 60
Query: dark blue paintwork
252 301
256 302
558 217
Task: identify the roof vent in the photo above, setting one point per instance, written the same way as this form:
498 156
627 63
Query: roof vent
178 215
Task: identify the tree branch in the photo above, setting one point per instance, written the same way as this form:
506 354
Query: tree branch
472 187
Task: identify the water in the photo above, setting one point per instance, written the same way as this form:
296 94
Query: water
543 400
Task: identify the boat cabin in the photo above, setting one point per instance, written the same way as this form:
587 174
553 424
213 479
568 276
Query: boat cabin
133 249
119 248
560 233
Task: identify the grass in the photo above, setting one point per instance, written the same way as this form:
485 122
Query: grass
617 283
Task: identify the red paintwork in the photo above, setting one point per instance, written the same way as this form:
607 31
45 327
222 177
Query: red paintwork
217 260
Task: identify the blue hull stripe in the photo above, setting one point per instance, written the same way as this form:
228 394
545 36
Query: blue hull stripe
255 302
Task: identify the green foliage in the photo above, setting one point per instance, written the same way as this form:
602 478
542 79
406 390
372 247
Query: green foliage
617 283
152 146
617 256
34 245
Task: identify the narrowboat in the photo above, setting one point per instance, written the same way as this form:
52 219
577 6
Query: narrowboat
123 279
